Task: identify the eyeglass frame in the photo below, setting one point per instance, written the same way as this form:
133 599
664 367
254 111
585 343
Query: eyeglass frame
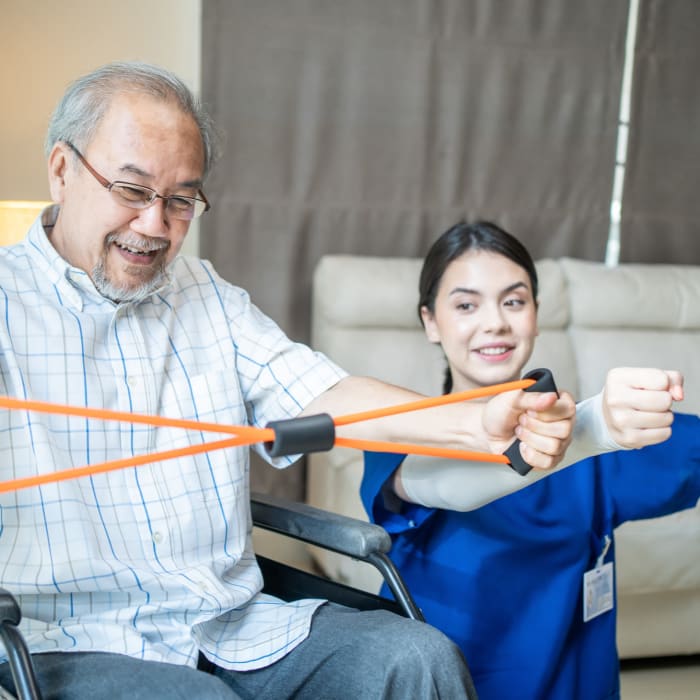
166 198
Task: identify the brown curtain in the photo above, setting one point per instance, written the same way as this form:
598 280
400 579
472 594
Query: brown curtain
661 206
369 127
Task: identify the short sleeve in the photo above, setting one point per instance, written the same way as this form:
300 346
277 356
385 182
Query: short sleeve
378 469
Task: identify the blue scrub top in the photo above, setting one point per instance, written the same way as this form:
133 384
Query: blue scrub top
505 581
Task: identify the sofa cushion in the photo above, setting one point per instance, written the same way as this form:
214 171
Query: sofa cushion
634 315
364 316
633 295
653 555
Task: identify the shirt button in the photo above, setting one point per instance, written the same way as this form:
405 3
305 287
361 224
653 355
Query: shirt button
132 381
157 537
411 523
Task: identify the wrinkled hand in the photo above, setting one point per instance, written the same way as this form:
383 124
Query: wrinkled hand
637 404
543 423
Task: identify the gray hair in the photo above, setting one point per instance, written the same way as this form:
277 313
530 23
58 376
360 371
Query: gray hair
85 102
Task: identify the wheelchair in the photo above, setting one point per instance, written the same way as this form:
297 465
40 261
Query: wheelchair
338 533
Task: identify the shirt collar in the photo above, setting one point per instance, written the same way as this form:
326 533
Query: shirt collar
71 282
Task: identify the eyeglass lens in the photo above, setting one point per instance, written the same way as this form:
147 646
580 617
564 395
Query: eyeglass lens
141 197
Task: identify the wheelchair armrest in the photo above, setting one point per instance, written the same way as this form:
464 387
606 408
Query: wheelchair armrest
17 652
9 609
338 533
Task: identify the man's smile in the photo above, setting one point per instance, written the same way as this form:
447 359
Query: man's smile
139 251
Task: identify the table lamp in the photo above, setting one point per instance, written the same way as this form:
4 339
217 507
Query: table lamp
16 217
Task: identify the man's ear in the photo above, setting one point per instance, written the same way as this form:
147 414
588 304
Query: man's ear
57 167
431 330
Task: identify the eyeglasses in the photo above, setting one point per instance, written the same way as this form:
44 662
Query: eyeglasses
141 197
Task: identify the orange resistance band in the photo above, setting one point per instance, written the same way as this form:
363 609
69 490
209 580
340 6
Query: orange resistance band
245 435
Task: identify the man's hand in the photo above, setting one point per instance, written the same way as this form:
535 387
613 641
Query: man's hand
637 404
543 423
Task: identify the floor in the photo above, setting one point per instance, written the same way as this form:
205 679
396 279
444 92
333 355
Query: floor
676 678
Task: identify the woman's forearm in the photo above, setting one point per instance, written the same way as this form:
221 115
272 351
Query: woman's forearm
465 485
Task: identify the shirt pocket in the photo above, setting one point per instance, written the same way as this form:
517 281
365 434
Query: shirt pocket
211 396
197 504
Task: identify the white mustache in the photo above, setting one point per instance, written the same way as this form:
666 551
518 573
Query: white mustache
145 245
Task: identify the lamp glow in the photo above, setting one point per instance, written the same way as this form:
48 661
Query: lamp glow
16 217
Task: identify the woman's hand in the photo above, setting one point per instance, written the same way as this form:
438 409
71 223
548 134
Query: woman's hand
543 422
637 404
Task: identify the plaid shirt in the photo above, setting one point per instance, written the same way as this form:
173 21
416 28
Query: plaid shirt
154 561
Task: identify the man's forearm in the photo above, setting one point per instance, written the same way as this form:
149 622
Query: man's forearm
456 426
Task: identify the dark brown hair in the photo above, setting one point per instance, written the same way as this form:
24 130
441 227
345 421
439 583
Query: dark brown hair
453 243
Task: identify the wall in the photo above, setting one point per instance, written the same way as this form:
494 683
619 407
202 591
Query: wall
46 45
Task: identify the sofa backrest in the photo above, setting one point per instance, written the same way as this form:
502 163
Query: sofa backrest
634 315
591 318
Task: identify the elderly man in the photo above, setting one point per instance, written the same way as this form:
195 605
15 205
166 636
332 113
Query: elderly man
130 581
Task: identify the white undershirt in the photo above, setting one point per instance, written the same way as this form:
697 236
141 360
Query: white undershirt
464 485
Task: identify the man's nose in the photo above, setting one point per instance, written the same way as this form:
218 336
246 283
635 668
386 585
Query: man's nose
152 220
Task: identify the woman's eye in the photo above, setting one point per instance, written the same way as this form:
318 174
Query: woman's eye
515 302
466 306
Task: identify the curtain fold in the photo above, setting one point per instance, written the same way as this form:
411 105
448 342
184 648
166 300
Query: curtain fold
660 206
370 127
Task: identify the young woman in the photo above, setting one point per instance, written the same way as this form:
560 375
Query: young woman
525 584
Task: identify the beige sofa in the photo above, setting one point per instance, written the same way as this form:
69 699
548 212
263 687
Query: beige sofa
592 318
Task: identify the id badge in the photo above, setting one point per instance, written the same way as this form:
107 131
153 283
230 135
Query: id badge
598 591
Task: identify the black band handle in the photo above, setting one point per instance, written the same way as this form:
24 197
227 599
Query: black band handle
296 436
544 382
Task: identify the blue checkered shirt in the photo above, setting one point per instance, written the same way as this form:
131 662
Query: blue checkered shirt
154 561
